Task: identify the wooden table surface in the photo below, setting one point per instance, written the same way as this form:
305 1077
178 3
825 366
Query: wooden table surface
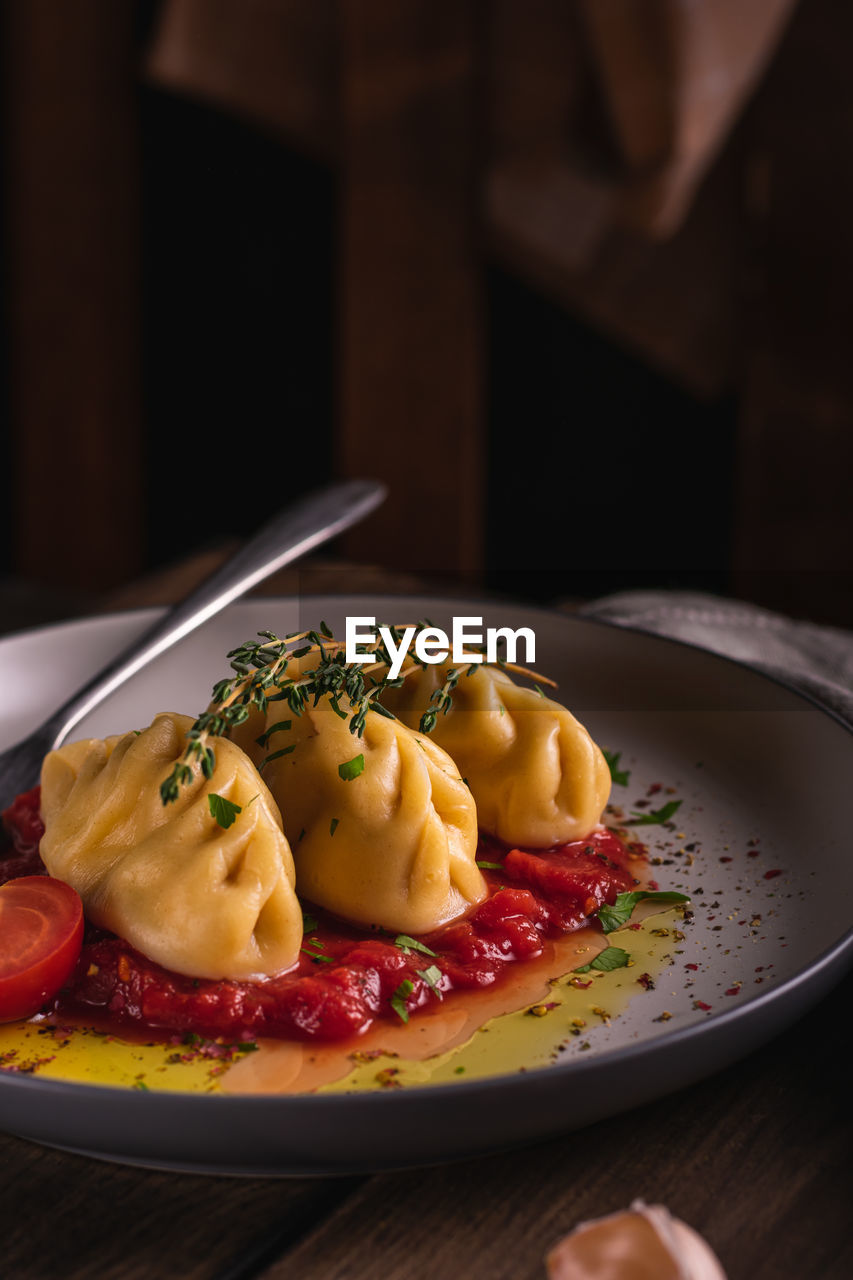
757 1158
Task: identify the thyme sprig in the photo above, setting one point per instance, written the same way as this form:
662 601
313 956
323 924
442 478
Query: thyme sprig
275 669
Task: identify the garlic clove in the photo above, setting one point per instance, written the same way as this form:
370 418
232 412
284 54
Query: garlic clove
644 1242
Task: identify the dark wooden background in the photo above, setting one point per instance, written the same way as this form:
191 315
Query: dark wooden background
207 312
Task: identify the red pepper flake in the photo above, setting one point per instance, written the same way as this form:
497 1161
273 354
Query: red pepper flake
635 925
646 982
771 875
735 990
726 858
691 965
582 986
653 884
752 853
700 1004
654 789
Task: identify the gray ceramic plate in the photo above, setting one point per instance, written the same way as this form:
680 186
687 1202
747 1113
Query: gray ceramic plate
763 776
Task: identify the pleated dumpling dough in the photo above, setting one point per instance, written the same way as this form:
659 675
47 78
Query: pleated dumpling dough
535 773
197 898
395 846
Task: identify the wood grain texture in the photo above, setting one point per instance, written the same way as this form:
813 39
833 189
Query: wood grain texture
794 517
72 215
71 1217
410 393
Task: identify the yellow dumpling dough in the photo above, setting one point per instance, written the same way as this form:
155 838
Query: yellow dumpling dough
195 897
395 846
535 773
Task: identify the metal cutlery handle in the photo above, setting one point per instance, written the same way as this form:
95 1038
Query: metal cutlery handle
293 533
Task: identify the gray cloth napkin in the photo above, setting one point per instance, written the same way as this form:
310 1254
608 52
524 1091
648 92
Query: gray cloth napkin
814 658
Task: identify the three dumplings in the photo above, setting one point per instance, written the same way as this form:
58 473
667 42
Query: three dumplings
380 829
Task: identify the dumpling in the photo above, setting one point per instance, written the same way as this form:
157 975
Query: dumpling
393 846
198 898
535 773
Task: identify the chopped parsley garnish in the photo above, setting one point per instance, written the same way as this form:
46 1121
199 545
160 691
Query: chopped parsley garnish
490 866
619 776
655 816
351 768
432 976
613 917
405 943
607 960
223 810
399 998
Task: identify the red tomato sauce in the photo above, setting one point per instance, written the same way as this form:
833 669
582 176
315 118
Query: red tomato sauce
346 977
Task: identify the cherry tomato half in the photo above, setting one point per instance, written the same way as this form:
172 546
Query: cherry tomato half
41 933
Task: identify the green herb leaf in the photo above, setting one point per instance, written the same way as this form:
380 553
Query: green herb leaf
275 755
655 816
613 917
405 943
432 976
351 768
309 922
490 866
610 958
617 775
399 998
223 810
279 727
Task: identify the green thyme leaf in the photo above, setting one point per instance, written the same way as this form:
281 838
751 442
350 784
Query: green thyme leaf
275 755
655 816
399 998
223 810
617 775
613 917
279 727
610 958
351 768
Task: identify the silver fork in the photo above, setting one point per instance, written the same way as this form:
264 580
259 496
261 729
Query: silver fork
292 533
